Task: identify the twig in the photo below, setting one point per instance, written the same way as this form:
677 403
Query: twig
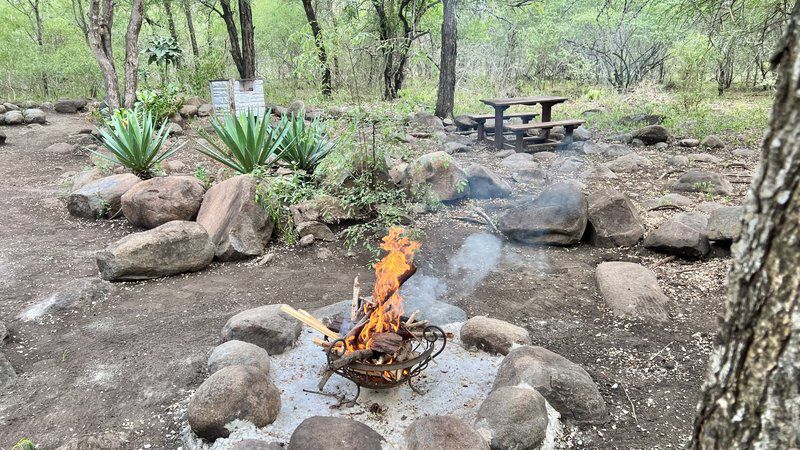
633 408
660 207
355 304
659 352
664 260
486 217
468 220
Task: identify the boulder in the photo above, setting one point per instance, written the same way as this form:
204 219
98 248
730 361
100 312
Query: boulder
2 109
569 164
515 159
69 106
558 216
678 161
334 433
438 169
725 224
712 142
238 353
234 392
35 115
78 292
661 146
671 199
513 417
239 227
581 134
689 143
326 209
682 235
205 110
465 123
423 121
631 290
624 138
565 385
10 106
175 129
14 117
600 172
703 181
650 119
613 220
87 176
160 200
630 163
306 240
704 157
8 376
543 157
174 166
483 183
455 147
265 326
708 207
652 134
743 152
170 249
493 335
60 148
319 230
189 110
443 432
530 172
101 198
614 150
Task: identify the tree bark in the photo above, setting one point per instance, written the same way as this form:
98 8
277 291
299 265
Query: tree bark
170 20
187 9
101 19
132 52
751 398
316 31
445 98
248 39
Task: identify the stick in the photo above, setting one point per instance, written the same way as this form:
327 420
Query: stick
356 303
664 261
633 408
659 352
310 321
412 317
349 358
660 207
486 217
326 375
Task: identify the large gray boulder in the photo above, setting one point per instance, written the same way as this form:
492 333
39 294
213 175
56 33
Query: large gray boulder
160 200
483 183
630 163
565 385
443 432
445 178
424 121
69 106
78 292
170 249
238 353
725 224
712 141
682 235
613 220
234 392
239 227
14 117
703 181
265 326
631 290
326 209
334 433
493 335
465 123
35 115
558 216
513 417
652 134
101 198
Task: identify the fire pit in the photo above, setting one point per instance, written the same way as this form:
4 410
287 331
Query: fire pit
377 347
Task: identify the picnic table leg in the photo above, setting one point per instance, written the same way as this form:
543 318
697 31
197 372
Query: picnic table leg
498 126
481 131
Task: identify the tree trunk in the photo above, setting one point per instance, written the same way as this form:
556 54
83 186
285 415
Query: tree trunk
132 52
101 19
445 97
248 39
187 9
170 19
750 399
316 31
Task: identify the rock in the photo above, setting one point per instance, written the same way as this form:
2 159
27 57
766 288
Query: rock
514 160
423 121
514 417
189 110
493 335
100 198
306 240
160 200
600 172
652 134
454 147
465 123
670 200
297 108
326 209
557 216
702 181
14 117
624 138
570 164
2 109
174 166
565 385
317 229
543 157
239 227
175 129
10 106
35 115
483 183
438 169
614 150
743 152
613 220
709 207
650 119
170 249
689 143
3 332
265 326
712 142
334 433
630 163
529 172
2 137
678 161
661 146
682 235
60 148
238 353
78 292
8 377
581 134
205 110
443 432
254 444
725 224
631 290
637 143
69 106
87 176
234 392
704 157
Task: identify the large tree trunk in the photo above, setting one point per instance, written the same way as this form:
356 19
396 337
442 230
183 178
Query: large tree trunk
752 396
445 97
248 39
316 31
132 52
101 19
187 9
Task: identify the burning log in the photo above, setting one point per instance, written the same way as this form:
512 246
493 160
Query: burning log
388 343
310 320
349 358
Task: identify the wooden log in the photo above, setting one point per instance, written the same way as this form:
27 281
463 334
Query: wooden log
402 279
349 358
388 343
355 306
310 321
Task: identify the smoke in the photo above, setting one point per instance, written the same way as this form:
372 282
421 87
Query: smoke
478 255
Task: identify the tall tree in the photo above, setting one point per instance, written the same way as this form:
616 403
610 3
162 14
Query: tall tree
32 9
243 51
316 32
750 398
445 97
187 10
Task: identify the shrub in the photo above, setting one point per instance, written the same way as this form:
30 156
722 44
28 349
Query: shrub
131 137
305 145
162 103
249 143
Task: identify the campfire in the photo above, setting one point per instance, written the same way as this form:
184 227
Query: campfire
377 346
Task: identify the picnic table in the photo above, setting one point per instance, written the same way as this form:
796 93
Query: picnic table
500 105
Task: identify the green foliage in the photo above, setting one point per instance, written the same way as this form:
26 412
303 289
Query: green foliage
162 103
163 51
195 77
24 444
277 194
134 143
305 145
249 143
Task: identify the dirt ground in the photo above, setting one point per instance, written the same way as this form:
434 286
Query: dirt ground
119 370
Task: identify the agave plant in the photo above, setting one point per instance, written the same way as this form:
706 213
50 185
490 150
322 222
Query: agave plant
132 139
305 145
249 142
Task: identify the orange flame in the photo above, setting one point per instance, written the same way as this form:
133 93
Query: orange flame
385 317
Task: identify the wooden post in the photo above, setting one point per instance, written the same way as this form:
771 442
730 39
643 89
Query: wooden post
498 126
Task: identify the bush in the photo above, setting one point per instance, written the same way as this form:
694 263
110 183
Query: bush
162 103
131 138
249 143
305 145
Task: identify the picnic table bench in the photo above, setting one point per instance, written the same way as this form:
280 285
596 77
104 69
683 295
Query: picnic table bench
481 119
519 131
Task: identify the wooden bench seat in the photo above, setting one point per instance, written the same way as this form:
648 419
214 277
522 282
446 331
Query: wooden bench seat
482 118
519 130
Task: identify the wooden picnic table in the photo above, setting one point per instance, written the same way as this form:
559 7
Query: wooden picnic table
502 104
